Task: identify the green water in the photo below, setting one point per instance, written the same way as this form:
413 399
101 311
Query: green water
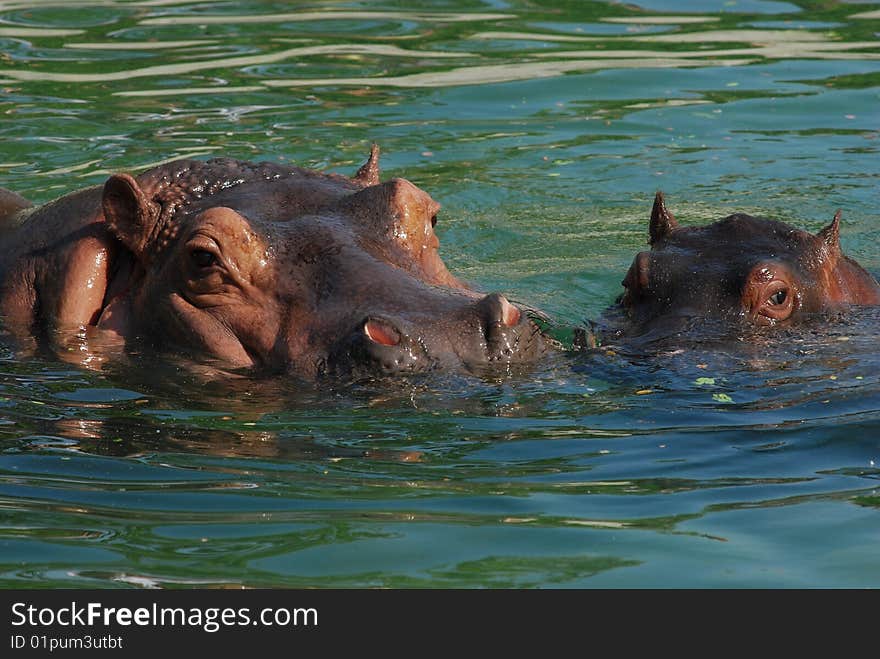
544 128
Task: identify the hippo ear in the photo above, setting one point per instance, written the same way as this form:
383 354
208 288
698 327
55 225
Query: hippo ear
368 174
11 203
129 214
830 235
828 241
662 221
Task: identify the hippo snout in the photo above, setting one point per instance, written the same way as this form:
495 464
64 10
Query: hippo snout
380 346
479 334
499 318
507 334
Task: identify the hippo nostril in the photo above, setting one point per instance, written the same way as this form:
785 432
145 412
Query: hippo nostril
499 312
378 331
510 315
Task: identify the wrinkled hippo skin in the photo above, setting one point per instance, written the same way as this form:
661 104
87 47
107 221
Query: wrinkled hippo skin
740 269
254 265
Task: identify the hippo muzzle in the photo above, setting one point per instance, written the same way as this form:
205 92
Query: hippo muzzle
487 334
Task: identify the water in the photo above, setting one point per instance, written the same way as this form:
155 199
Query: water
544 130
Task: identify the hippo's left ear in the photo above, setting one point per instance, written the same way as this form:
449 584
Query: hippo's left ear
11 203
828 241
130 215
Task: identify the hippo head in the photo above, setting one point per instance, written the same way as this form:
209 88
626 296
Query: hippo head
743 268
284 269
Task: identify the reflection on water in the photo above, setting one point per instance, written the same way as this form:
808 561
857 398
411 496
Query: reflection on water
478 75
192 67
226 19
745 460
609 50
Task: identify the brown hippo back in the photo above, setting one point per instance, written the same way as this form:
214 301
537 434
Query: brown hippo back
257 265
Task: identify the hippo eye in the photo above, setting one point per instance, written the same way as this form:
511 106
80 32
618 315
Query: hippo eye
775 300
434 220
771 293
202 258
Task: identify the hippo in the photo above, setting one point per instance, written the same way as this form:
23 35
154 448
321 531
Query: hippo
256 266
739 269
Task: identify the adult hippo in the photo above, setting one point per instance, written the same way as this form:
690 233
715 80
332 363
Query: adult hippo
255 265
740 268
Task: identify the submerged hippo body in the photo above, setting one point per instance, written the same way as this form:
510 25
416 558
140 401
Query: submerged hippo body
740 269
254 265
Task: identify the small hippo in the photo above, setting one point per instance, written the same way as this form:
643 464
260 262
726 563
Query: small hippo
254 265
741 267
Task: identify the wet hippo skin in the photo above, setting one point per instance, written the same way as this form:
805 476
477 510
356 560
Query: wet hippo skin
741 269
255 265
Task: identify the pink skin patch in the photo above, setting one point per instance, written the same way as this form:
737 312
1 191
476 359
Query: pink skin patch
381 333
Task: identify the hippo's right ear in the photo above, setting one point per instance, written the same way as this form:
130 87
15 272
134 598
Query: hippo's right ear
368 174
828 239
663 222
130 215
